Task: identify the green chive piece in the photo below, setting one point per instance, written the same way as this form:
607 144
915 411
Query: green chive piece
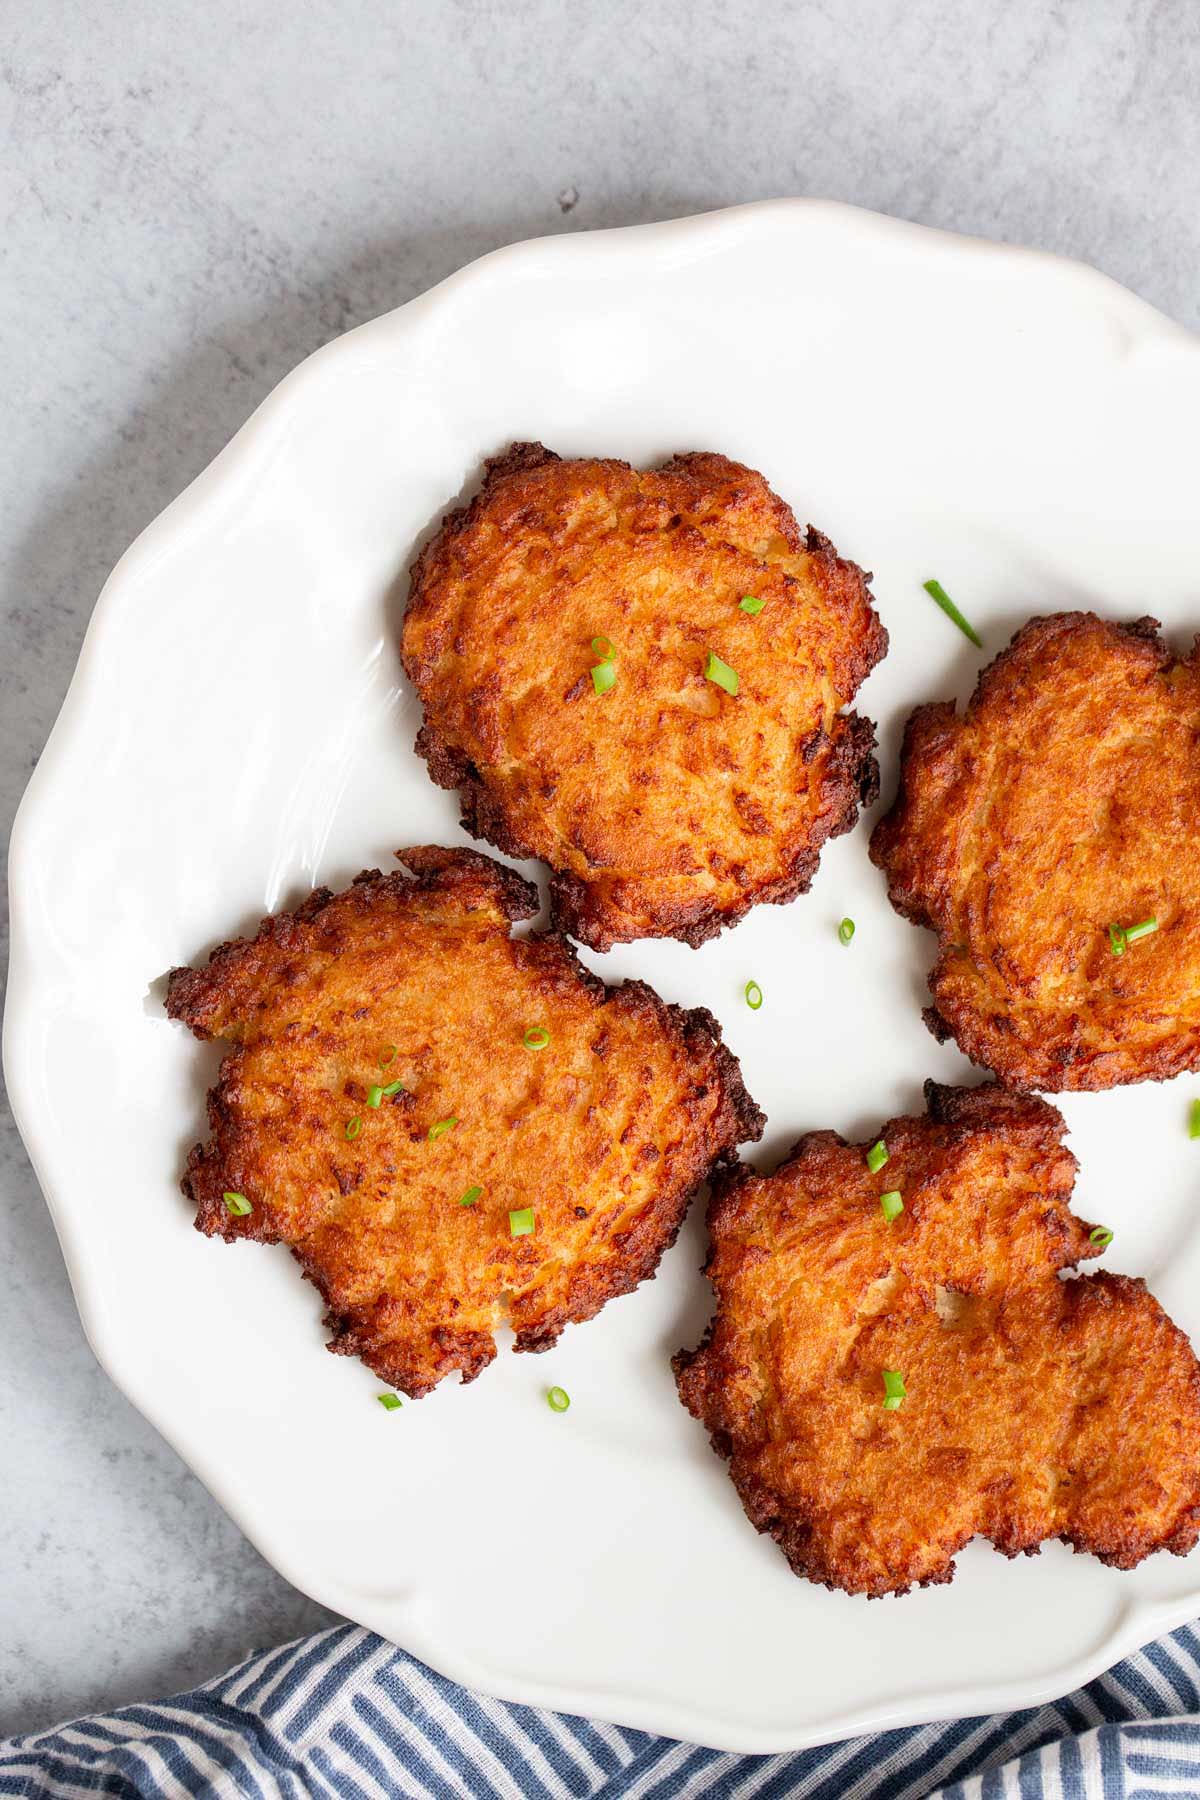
754 996
604 676
1102 1237
557 1399
846 931
390 1402
389 1055
536 1038
891 1205
520 1223
604 648
749 603
353 1127
877 1155
238 1205
441 1128
937 592
1121 936
374 1096
1194 1120
894 1390
721 673
393 1087
471 1196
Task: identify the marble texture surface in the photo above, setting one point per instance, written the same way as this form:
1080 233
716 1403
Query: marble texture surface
193 198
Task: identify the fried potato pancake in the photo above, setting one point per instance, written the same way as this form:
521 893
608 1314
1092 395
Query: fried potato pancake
1035 1407
666 805
537 1159
1063 802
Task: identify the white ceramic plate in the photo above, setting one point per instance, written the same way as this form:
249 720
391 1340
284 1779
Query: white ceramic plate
238 729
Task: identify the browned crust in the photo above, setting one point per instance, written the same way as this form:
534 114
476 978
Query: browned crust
193 993
518 459
416 1322
1111 1400
1001 950
653 1232
852 781
708 486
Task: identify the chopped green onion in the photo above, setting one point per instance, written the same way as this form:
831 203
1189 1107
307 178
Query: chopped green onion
894 1390
604 648
393 1087
471 1196
754 996
1102 1237
353 1127
749 603
937 592
604 676
374 1096
238 1205
1194 1120
390 1402
877 1155
721 673
536 1038
389 1055
442 1127
520 1223
846 930
891 1204
1121 936
557 1399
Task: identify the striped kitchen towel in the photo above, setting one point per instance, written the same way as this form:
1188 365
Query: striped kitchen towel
346 1714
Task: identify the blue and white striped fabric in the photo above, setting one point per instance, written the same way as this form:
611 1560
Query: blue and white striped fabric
348 1715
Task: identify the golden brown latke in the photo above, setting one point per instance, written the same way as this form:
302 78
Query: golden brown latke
1036 1407
1064 800
666 807
605 1132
